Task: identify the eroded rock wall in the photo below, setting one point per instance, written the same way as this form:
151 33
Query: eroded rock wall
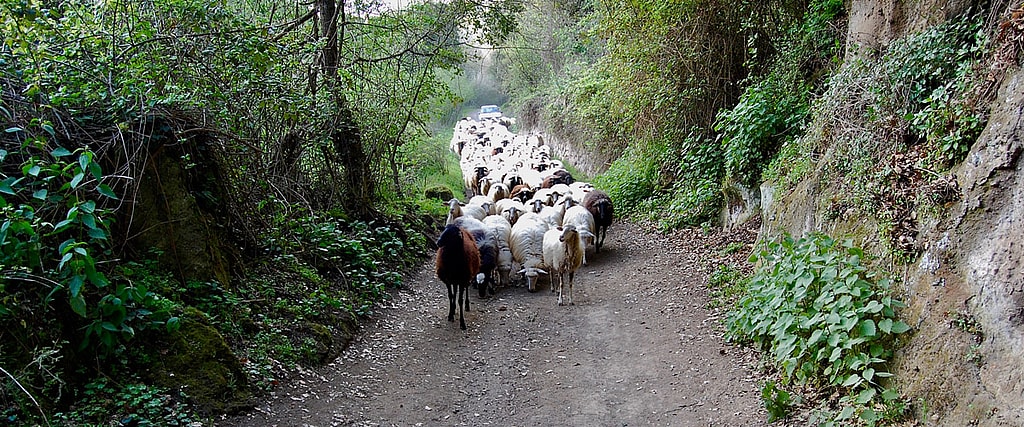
964 363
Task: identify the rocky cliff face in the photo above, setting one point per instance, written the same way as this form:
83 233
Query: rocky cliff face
964 364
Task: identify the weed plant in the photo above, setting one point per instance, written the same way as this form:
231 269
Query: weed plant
822 317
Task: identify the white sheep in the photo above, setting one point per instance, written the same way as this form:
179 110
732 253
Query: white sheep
457 210
484 203
501 230
510 209
527 244
552 215
580 218
563 254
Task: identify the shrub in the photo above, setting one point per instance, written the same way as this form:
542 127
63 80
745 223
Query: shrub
631 180
823 317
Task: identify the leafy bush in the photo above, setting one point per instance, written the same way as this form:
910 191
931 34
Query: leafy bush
631 180
768 113
823 317
940 65
55 232
775 105
725 285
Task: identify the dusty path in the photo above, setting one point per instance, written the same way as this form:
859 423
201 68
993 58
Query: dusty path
638 348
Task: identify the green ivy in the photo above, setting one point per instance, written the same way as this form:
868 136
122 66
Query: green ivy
823 318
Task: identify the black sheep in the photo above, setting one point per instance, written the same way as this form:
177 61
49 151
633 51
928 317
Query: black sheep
487 245
600 206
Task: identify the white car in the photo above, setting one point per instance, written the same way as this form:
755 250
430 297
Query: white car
489 112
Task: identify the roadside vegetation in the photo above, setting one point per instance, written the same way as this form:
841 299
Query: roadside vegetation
199 197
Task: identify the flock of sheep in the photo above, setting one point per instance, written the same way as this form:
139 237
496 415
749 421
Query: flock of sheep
525 213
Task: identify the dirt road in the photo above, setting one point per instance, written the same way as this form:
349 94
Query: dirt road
639 348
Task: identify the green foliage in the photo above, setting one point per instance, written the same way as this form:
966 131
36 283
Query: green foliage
725 285
431 163
868 408
105 402
768 113
89 83
366 258
776 400
775 105
823 317
941 68
632 179
55 228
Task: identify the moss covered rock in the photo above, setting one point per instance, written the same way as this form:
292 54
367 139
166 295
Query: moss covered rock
439 192
197 360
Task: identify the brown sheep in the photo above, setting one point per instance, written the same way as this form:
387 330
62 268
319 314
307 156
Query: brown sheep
457 265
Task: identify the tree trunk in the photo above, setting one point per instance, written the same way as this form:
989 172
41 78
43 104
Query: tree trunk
345 135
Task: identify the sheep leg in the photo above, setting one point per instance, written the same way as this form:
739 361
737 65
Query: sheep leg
463 296
572 277
560 282
483 286
451 303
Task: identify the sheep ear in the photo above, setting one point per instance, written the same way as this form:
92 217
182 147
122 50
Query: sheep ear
586 233
523 271
541 271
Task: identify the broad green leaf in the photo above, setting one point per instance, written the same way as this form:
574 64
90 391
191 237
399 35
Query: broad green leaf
77 179
837 352
60 152
866 395
83 161
89 221
96 171
173 324
62 225
889 395
873 307
64 259
105 190
851 380
97 233
846 413
78 305
6 186
40 194
815 336
75 285
885 325
899 327
867 328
